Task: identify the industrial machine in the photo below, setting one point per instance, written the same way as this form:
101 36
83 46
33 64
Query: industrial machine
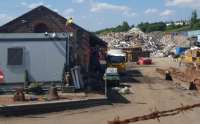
116 58
192 56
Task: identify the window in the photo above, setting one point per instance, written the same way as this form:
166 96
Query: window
15 56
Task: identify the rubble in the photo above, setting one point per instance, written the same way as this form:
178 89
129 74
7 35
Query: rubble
158 43
186 78
123 90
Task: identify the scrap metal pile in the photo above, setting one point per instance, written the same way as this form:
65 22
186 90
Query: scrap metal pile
158 43
124 39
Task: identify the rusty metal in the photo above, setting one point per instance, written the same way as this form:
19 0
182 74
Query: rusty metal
53 93
155 115
19 95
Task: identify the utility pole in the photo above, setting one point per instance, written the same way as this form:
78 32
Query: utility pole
68 25
66 75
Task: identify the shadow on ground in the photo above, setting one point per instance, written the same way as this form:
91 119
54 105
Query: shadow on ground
130 76
115 97
133 73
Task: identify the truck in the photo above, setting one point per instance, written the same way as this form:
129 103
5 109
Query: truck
116 58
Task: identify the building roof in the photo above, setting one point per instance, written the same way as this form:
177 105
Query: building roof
55 23
25 22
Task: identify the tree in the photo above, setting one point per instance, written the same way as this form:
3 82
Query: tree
143 26
125 26
132 26
120 28
149 27
194 19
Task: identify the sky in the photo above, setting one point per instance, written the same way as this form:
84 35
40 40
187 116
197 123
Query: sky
98 14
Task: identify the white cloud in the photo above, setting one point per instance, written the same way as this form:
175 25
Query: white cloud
34 5
68 12
105 6
5 18
151 11
184 3
167 12
99 7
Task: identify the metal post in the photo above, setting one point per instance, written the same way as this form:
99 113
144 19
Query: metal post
66 73
66 65
67 53
106 88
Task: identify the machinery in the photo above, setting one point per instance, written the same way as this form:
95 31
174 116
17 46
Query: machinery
116 58
144 61
192 56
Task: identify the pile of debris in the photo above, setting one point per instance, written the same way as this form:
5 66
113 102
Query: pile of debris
158 43
124 39
186 78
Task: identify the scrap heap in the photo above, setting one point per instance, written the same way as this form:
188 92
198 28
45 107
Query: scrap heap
158 43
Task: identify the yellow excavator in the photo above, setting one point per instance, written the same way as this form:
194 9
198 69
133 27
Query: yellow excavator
192 56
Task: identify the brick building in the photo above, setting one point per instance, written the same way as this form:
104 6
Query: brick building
41 20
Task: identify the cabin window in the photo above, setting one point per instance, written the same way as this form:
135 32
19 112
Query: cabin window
41 28
15 56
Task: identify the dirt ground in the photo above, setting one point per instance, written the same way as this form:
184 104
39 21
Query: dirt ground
150 91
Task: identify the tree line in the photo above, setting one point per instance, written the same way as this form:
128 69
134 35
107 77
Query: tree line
120 28
194 24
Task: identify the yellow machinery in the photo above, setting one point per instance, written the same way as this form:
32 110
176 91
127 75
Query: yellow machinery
116 58
192 56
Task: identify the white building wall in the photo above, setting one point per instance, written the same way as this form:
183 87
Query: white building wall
44 60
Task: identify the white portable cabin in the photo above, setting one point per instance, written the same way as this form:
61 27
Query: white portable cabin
41 55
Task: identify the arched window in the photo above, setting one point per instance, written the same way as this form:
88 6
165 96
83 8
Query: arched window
41 28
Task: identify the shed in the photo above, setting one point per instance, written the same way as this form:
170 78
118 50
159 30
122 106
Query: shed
43 57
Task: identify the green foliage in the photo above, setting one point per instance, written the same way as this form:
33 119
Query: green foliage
120 28
194 19
196 26
149 27
36 88
183 28
125 26
158 26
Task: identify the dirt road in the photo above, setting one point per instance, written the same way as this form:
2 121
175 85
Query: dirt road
150 92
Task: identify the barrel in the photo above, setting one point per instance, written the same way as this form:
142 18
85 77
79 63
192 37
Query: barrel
180 50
